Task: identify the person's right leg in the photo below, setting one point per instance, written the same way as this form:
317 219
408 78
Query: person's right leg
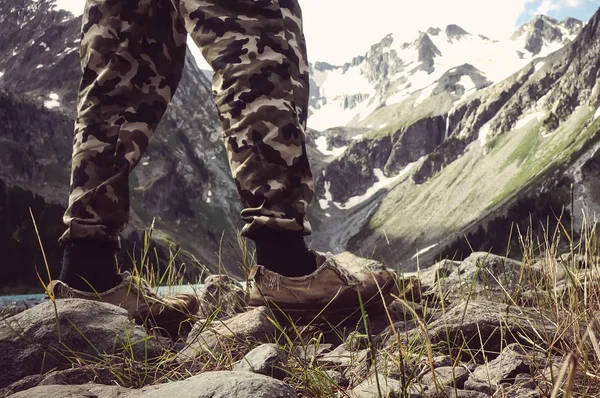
258 54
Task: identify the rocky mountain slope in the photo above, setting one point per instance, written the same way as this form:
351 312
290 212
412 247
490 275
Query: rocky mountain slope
471 166
183 181
438 60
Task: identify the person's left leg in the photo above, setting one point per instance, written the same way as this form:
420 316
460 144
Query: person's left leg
261 90
132 57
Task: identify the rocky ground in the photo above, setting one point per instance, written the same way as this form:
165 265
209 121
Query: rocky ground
484 327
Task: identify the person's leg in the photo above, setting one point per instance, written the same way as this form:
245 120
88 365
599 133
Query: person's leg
132 57
257 51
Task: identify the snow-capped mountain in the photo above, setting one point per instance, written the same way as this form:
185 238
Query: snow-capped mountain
469 155
449 60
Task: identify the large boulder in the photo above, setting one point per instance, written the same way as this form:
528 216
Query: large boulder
222 384
481 275
486 327
247 328
54 335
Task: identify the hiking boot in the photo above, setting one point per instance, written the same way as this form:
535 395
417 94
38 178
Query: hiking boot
142 303
332 292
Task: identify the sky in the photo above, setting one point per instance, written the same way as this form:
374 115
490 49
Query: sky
339 30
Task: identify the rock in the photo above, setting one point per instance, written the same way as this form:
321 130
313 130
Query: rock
378 387
266 359
356 341
24 384
482 274
222 296
221 384
441 361
480 386
512 361
454 377
82 391
31 343
451 392
431 275
252 326
495 324
337 378
80 375
311 352
517 391
343 357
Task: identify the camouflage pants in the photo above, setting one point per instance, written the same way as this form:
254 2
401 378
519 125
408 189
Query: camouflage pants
132 57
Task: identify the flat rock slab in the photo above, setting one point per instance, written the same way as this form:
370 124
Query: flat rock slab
43 338
468 324
252 326
512 361
266 359
222 384
482 275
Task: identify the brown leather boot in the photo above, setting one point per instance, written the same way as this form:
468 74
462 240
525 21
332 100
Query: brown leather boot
332 293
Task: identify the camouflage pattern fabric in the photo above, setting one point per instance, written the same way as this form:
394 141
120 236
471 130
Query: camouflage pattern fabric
132 57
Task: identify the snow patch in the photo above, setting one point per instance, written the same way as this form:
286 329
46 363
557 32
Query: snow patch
524 121
596 115
39 66
382 182
324 203
425 250
539 66
145 163
75 7
1 74
322 147
484 132
467 83
327 215
356 137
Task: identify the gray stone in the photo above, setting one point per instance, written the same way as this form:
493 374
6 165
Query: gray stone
82 391
252 326
25 383
496 324
36 340
449 392
266 359
377 387
79 375
483 275
446 376
517 391
512 361
341 356
311 352
221 384
337 378
441 361
222 296
480 386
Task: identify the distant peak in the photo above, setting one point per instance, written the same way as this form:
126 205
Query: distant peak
433 31
455 32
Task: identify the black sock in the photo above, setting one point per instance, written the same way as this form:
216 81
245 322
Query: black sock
284 252
88 263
